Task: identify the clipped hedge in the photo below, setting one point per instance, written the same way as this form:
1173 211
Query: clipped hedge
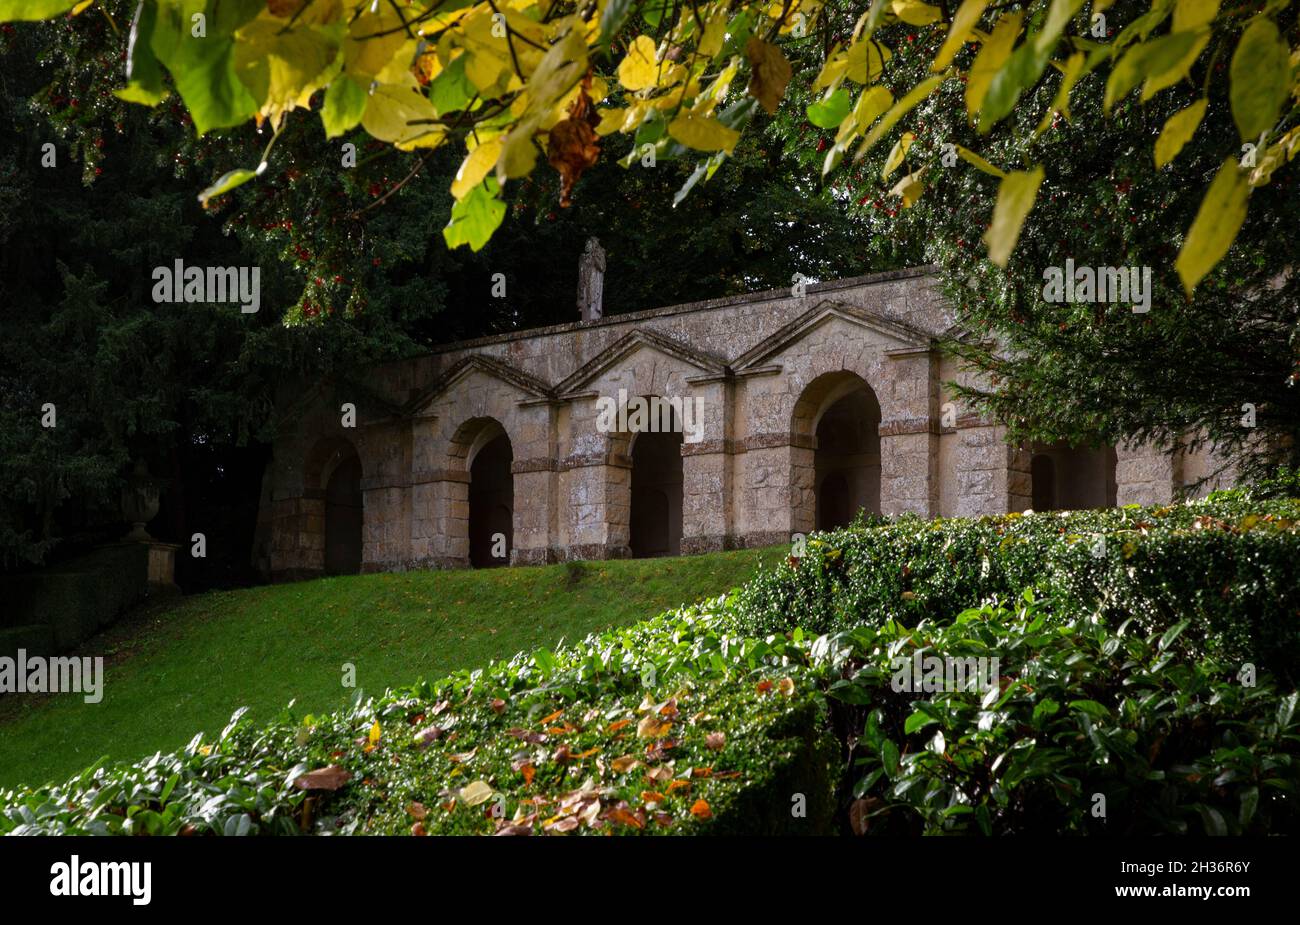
1089 729
665 728
1229 564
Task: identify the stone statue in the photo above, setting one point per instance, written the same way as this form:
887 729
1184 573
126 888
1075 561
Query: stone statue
591 280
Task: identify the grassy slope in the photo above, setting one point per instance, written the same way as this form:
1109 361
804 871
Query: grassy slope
175 670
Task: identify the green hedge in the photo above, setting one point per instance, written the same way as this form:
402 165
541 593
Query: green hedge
1089 729
78 598
1229 565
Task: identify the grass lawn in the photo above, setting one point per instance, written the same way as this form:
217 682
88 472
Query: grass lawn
174 669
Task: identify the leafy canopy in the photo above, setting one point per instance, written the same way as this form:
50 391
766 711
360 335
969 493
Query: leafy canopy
514 81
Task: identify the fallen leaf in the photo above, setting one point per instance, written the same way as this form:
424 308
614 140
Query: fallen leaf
615 727
418 829
652 796
658 775
498 705
763 687
515 829
551 717
652 727
700 810
587 754
425 736
330 778
701 772
679 785
624 764
786 687
625 817
416 811
478 792
715 740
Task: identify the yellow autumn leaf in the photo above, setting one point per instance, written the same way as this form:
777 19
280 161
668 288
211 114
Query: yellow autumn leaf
375 732
638 69
1071 71
1192 14
611 120
966 19
474 794
835 68
1215 227
715 31
1177 131
1016 194
1259 78
992 55
1157 82
399 113
971 157
915 13
475 167
865 61
898 110
703 133
897 154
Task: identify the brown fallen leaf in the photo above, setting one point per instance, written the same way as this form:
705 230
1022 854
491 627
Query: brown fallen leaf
679 785
786 687
625 817
498 705
658 775
330 778
652 727
652 796
567 824
551 717
417 811
428 735
715 740
616 726
515 829
624 764
418 829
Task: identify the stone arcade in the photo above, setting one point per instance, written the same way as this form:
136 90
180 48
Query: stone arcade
814 406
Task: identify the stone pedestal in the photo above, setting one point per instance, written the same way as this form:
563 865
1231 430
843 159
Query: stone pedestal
162 568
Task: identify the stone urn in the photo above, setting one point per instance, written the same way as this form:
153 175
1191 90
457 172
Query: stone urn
140 501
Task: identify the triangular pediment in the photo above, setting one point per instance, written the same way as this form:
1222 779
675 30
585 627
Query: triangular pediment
530 385
629 344
823 313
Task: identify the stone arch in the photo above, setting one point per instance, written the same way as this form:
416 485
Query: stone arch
334 506
646 482
481 503
1065 477
655 493
835 451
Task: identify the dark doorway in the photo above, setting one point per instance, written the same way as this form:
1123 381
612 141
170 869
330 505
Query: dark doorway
343 511
1042 472
491 504
847 460
656 514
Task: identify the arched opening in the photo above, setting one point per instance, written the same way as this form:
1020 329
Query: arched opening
1069 478
846 459
655 519
343 516
491 503
1042 472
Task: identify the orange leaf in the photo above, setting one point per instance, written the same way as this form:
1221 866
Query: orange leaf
700 810
679 785
624 764
615 727
763 687
587 754
651 796
551 717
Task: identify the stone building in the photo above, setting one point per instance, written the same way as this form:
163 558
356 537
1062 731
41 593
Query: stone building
790 411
